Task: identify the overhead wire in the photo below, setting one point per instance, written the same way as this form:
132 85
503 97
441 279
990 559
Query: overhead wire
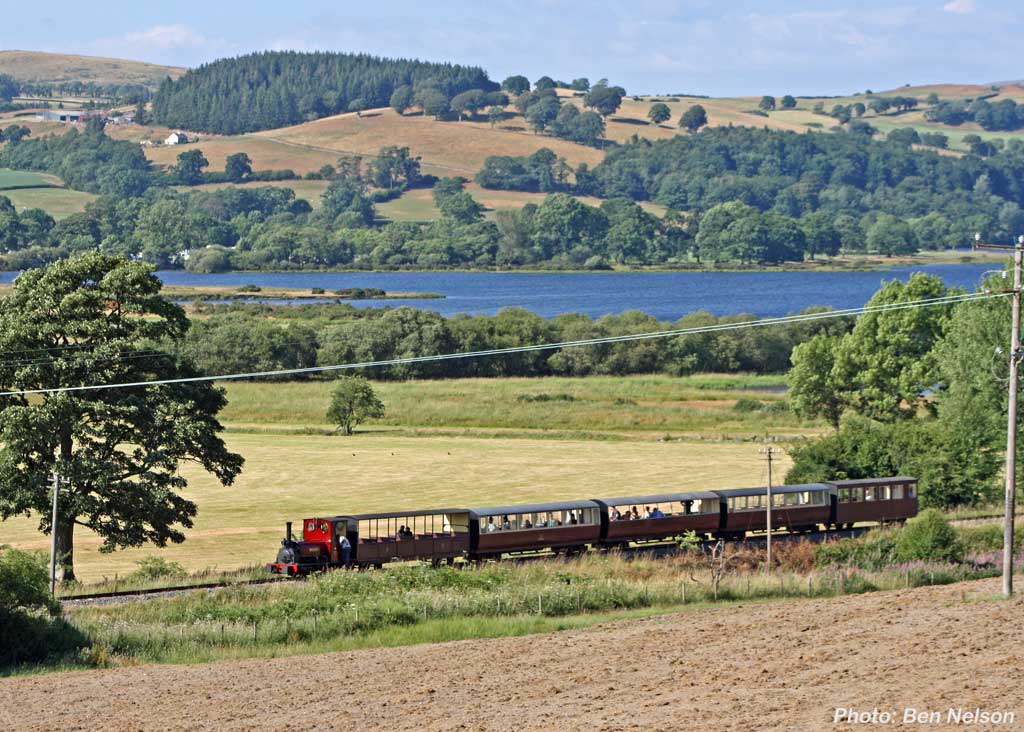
623 338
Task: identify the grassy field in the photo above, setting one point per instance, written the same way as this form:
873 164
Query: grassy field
600 406
26 179
58 202
447 148
455 443
265 153
37 66
27 189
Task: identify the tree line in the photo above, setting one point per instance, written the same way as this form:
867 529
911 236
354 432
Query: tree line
911 198
1005 114
250 337
274 89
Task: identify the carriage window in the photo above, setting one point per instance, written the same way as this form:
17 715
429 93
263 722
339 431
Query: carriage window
896 492
911 490
706 505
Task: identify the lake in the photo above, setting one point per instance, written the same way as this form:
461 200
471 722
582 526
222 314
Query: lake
666 295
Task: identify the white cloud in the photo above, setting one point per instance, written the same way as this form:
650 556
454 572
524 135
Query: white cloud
167 37
960 7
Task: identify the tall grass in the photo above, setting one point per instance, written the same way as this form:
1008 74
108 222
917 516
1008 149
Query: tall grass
414 604
697 404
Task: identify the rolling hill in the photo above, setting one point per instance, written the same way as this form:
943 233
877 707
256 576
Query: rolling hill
55 68
449 147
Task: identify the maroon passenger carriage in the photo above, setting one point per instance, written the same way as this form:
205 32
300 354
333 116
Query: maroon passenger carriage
675 514
885 500
567 526
801 507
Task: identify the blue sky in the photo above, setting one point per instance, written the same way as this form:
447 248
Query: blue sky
647 46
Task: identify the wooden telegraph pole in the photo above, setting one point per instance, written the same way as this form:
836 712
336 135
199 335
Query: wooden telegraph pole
769 452
1011 417
55 480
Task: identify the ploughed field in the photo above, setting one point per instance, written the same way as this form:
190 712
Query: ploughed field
783 665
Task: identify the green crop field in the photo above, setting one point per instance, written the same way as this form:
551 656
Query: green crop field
26 179
27 189
454 442
58 202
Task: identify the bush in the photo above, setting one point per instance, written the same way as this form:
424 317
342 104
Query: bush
746 405
545 397
28 633
250 288
24 582
988 538
929 537
153 568
872 551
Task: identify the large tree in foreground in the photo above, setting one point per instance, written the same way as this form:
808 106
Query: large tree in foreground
96 319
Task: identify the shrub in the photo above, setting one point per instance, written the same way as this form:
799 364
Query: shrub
545 397
746 404
987 538
27 632
929 537
317 291
153 568
874 550
250 288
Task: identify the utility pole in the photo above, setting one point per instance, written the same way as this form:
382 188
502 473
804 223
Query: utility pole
1011 417
55 481
769 452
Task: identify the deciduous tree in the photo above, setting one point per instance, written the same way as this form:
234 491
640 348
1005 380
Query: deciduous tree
353 401
694 118
95 319
659 113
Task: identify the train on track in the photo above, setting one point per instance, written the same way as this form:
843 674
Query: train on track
443 535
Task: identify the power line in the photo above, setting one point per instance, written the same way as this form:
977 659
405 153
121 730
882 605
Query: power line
867 309
132 355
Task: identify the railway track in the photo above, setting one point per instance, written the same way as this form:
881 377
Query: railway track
148 594
653 549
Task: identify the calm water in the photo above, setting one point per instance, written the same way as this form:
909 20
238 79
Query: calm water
666 295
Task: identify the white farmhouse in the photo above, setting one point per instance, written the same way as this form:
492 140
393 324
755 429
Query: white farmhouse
176 138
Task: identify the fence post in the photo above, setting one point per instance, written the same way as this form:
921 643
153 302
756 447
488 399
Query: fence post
684 592
254 624
540 605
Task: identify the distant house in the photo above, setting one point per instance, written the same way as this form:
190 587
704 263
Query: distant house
176 138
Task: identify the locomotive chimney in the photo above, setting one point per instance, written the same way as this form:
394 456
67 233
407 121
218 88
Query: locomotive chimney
288 530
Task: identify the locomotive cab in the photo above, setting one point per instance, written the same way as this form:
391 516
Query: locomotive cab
311 554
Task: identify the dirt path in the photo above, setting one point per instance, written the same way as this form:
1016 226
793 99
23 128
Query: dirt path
784 665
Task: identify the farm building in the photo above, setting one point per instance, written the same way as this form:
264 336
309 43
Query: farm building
176 138
72 116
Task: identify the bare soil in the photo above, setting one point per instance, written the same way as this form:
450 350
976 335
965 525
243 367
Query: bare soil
782 665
